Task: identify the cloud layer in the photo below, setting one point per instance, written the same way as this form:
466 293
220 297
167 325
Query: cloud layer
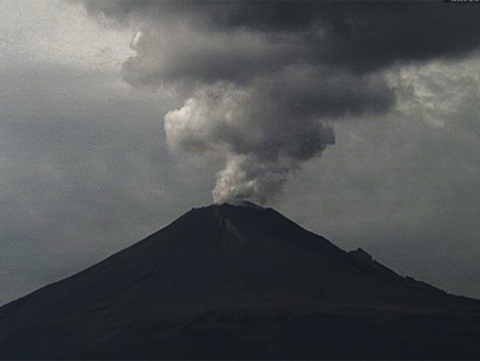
263 81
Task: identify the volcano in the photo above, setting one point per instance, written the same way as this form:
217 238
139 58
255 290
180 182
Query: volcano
239 282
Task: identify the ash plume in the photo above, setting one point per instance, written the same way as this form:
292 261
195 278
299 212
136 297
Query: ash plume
263 82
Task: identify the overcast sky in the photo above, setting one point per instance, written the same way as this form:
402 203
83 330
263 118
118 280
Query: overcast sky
359 121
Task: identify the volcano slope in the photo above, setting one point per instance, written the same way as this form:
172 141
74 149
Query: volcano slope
239 282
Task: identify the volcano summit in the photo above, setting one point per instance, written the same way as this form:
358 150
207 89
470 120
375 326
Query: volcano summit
239 282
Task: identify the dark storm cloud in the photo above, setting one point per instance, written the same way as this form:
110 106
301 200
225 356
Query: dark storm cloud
368 35
363 36
262 80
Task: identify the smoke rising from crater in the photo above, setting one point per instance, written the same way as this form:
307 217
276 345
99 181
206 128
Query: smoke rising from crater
263 82
267 129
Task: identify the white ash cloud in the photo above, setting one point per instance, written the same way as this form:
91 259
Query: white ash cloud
268 130
247 177
263 81
262 146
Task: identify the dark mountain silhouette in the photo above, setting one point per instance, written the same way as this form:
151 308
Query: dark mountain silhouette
239 282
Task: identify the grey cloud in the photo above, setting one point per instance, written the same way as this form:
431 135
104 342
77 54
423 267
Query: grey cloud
263 79
357 35
174 54
367 35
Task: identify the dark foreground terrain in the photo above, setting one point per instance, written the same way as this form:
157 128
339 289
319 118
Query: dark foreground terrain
239 282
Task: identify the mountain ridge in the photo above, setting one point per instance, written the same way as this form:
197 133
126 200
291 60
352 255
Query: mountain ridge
217 263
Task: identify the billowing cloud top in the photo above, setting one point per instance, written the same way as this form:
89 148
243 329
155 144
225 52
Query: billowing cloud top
263 81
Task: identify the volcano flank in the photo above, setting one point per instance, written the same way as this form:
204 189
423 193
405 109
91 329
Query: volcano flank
239 282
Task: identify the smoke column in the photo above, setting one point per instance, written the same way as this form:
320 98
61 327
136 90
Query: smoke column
262 144
263 82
